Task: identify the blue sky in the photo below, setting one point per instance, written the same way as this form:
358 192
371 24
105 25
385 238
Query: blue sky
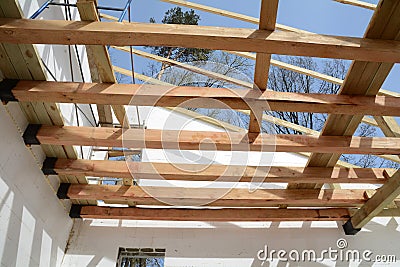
319 16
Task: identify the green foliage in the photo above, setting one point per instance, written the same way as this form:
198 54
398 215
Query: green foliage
177 16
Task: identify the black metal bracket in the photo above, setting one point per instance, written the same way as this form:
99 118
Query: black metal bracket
30 134
6 87
75 211
62 192
48 166
349 228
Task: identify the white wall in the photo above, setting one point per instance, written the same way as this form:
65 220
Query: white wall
34 226
96 242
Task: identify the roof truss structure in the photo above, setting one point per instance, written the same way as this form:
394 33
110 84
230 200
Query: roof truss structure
361 94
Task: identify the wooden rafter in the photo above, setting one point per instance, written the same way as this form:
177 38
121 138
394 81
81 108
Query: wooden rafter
170 139
266 117
358 3
225 173
363 78
188 67
100 66
268 14
217 38
375 205
225 13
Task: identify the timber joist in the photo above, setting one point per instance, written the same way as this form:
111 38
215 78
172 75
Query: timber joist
374 56
166 96
203 140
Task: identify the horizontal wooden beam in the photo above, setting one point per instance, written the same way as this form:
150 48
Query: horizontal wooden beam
214 172
224 197
167 96
217 215
193 36
203 140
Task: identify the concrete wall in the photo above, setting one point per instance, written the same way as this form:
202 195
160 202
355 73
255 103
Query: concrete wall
34 226
96 242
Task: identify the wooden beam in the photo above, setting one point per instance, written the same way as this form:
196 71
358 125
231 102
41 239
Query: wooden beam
23 62
100 66
308 72
222 173
383 196
388 125
194 140
225 13
362 4
363 78
265 117
167 96
193 36
223 197
268 14
214 215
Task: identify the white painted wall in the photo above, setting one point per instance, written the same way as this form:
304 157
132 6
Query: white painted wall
96 242
34 225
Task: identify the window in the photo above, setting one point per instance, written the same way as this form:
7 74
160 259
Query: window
141 257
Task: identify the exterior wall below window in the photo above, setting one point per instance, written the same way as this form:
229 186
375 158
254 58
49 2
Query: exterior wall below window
96 242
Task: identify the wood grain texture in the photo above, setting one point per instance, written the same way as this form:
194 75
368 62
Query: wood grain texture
216 38
187 96
221 173
224 197
215 215
226 141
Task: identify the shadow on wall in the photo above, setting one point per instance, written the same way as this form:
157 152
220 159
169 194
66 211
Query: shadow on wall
96 242
34 227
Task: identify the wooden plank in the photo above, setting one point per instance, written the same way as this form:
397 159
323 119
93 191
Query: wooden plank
100 66
194 140
165 96
383 196
362 4
388 125
265 117
222 173
215 215
308 72
363 78
222 196
224 13
268 14
193 36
